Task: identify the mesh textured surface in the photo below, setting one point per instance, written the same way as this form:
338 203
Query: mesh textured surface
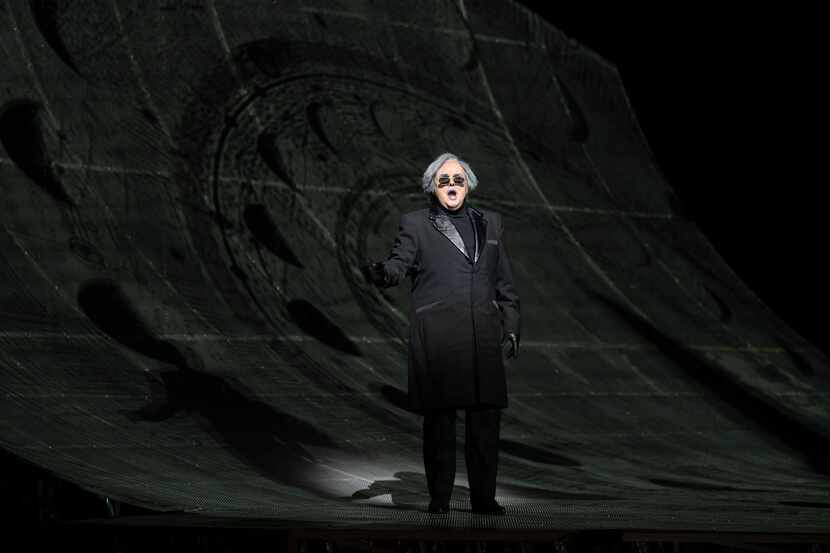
190 187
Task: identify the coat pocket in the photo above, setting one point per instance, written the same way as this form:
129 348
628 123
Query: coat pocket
427 306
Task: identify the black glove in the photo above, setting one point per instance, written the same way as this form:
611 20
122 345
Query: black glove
374 273
510 345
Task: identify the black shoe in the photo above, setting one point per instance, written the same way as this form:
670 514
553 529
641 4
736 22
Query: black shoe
491 509
438 508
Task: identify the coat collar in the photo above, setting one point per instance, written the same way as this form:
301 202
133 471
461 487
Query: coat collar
444 225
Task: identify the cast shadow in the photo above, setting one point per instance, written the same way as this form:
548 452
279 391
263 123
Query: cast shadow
810 444
408 490
272 442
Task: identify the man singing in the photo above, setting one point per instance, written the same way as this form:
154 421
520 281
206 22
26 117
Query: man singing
464 327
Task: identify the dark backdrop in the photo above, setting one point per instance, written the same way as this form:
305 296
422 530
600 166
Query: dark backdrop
729 103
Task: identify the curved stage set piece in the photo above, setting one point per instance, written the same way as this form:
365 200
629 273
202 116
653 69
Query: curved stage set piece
189 189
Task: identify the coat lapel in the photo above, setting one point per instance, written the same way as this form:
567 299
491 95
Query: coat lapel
480 230
444 225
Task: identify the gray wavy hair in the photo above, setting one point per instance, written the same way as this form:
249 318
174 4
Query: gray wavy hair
429 174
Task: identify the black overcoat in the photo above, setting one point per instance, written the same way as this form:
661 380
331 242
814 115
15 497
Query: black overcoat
460 309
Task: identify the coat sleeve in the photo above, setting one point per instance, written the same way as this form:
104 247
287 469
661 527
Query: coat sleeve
404 253
506 294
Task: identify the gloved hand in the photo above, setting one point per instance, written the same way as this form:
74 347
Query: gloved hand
510 345
374 273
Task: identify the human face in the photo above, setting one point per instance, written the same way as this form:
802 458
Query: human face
451 195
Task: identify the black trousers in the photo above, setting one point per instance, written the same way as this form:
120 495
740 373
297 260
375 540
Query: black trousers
481 453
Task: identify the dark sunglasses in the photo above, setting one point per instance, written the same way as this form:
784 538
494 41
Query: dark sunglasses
444 180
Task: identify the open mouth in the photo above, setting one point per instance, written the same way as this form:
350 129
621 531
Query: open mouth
452 194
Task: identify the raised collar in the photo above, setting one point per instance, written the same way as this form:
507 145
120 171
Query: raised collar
434 211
